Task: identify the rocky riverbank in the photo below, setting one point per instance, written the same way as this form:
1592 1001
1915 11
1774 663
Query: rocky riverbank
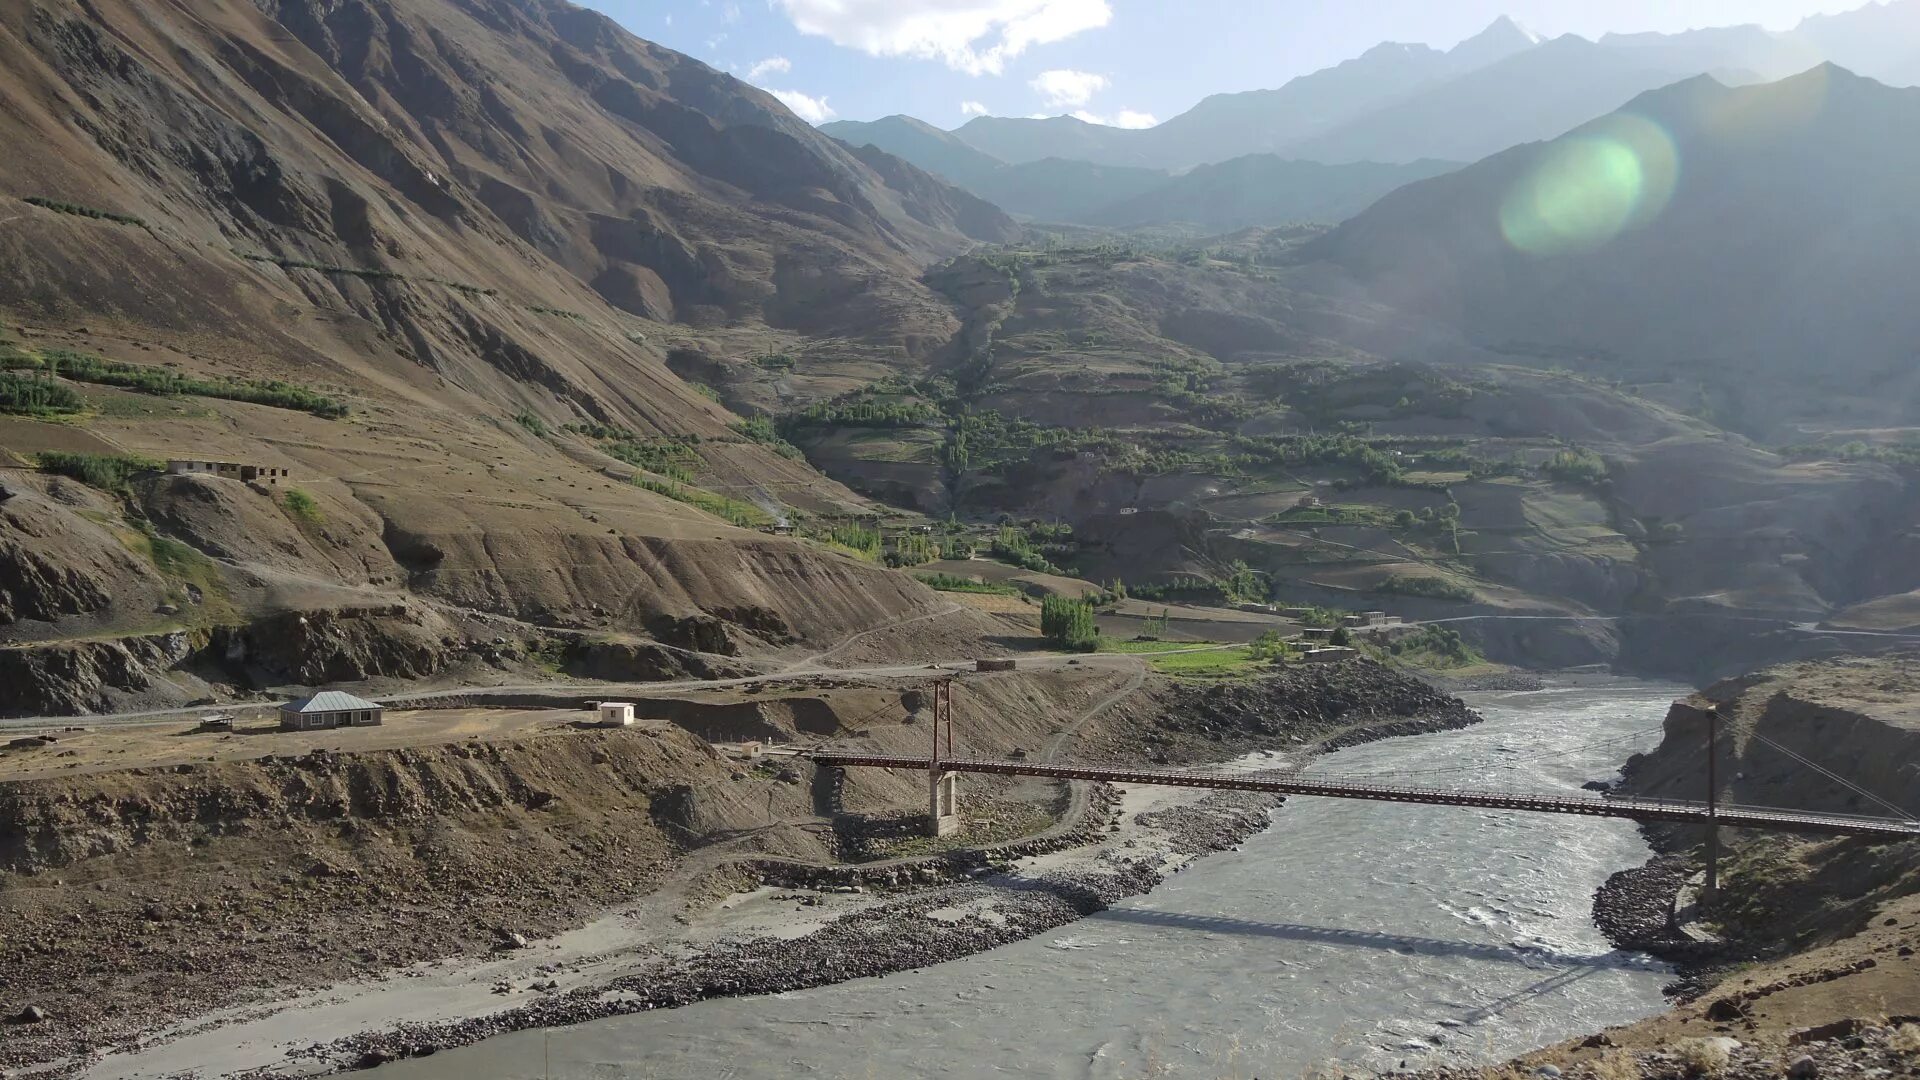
1814 972
739 926
917 930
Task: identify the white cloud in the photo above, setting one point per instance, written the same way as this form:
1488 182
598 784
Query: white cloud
814 110
1131 119
731 13
715 41
972 108
974 36
1086 117
772 65
1062 87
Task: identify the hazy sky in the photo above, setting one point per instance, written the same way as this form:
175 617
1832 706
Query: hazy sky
1116 61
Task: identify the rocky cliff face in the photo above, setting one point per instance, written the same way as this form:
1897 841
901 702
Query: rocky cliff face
1858 718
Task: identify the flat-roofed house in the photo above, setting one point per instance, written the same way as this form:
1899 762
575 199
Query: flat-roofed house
329 709
232 470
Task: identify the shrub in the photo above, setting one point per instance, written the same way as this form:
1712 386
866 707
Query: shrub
302 505
83 211
558 313
532 423
31 395
108 472
1703 1057
1069 623
145 379
1435 588
856 538
1441 642
761 430
1576 466
742 514
955 583
1340 636
1269 646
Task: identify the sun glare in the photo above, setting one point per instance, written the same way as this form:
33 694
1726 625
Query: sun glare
1589 188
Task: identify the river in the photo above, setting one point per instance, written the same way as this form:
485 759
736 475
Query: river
1349 934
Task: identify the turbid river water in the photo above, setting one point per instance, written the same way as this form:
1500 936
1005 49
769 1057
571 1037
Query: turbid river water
1350 934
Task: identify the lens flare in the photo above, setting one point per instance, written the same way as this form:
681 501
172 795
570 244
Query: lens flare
1590 187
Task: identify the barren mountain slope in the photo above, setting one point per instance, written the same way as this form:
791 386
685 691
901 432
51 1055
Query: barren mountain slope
1747 247
439 216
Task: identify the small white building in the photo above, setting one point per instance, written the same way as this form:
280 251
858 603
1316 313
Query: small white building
1330 654
616 714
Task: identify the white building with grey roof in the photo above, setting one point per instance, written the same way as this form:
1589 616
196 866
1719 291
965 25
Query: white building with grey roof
329 709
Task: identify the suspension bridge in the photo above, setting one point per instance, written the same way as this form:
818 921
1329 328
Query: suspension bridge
941 765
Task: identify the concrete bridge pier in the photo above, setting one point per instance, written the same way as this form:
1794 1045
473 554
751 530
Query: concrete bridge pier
943 787
943 803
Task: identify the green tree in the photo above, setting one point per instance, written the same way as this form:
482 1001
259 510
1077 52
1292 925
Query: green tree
1340 636
1268 646
1068 623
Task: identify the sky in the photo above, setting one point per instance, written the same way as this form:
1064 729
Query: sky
1125 62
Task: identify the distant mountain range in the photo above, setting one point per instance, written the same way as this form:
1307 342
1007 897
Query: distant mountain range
1254 189
1394 104
1759 242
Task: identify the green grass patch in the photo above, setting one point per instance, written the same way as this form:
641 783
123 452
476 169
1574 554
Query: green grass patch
194 580
145 379
35 395
302 506
108 472
1147 648
1224 662
78 210
745 515
955 583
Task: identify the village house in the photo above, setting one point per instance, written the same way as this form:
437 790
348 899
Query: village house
1329 654
329 709
232 470
616 714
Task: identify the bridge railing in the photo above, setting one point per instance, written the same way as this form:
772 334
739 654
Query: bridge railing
1643 808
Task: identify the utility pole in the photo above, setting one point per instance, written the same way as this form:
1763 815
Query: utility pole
1713 802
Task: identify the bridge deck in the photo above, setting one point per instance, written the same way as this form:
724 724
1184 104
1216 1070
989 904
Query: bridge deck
1639 809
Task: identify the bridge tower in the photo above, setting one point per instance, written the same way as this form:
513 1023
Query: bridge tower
943 788
1713 803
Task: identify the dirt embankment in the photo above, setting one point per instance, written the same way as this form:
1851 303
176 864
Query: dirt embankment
1815 955
135 895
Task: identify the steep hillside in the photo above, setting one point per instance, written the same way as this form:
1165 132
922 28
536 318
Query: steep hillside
1183 420
1262 190
939 152
1744 232
437 261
